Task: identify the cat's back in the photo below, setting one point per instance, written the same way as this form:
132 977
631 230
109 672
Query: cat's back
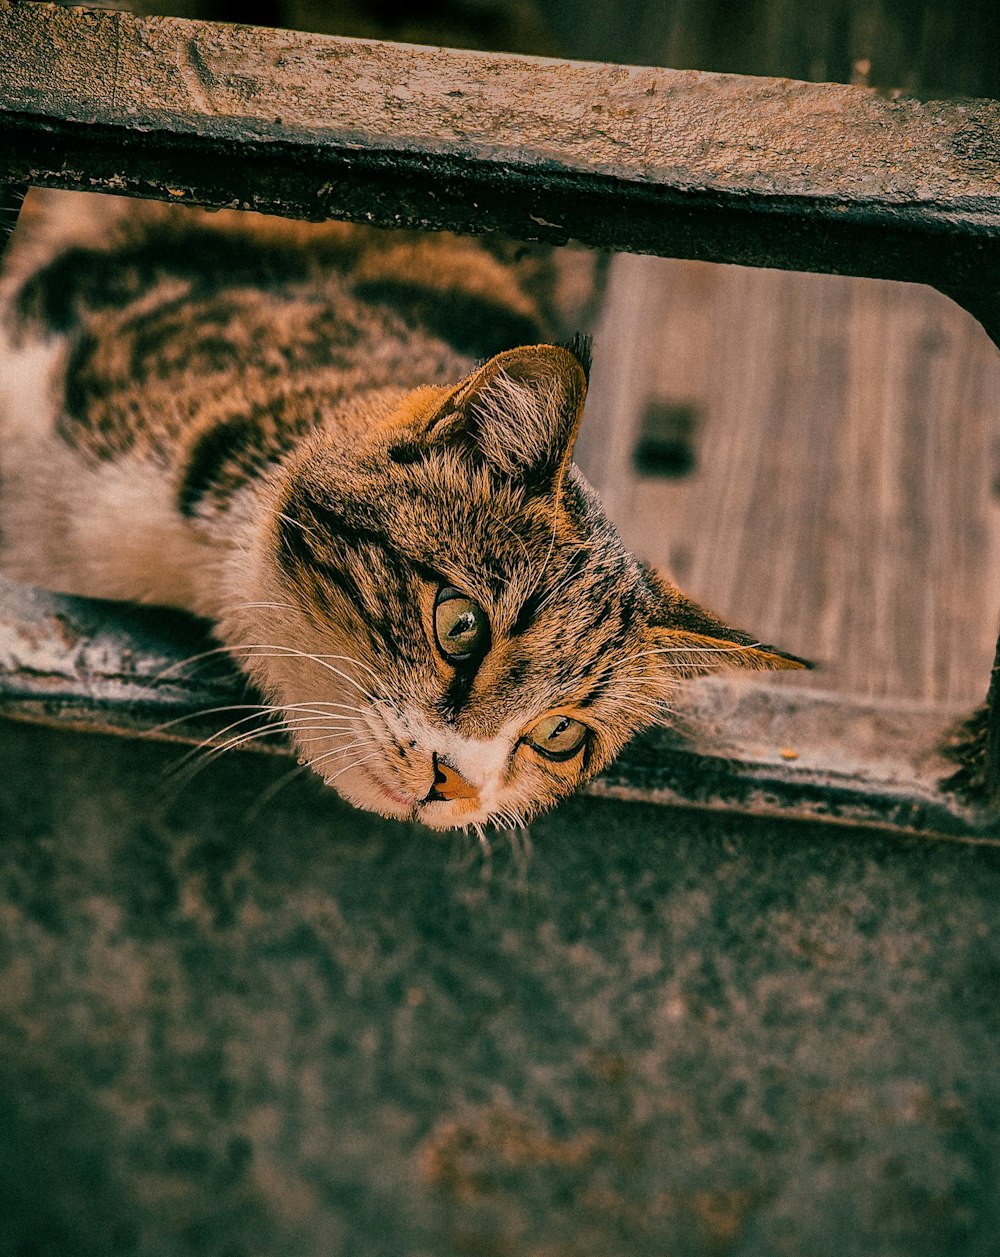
129 300
149 350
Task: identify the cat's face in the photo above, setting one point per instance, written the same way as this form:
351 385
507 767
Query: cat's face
453 626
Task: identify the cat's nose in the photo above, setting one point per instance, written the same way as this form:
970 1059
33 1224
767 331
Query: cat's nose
448 784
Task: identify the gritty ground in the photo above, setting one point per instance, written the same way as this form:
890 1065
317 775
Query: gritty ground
236 1026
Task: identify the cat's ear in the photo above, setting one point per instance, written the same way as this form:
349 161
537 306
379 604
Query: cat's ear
690 641
520 412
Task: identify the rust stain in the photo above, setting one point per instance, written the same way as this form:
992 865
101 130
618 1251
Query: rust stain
470 1157
66 631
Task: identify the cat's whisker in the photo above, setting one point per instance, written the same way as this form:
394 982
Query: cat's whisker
486 847
321 737
209 745
637 696
279 722
261 650
552 541
325 774
602 565
561 584
305 725
511 532
637 705
519 837
265 797
255 709
255 606
295 523
264 651
340 750
184 663
200 757
208 750
354 764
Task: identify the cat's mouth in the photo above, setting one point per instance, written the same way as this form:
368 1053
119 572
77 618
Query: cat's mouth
437 813
401 802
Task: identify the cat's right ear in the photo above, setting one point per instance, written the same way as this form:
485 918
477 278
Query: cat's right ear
519 413
688 640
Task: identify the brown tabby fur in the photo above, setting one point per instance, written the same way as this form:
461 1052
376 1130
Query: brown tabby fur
284 427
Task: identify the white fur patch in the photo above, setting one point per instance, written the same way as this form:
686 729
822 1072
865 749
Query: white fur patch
482 762
105 530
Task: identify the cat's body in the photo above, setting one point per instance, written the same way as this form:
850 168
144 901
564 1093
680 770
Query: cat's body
282 427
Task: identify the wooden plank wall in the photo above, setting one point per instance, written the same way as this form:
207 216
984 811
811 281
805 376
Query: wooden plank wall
846 437
847 431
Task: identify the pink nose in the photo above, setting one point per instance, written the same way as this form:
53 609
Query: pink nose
448 784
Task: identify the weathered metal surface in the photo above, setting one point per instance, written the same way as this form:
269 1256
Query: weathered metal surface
770 750
109 666
734 169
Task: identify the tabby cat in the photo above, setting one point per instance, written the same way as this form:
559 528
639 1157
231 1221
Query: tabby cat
350 449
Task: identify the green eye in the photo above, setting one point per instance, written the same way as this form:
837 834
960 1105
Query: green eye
460 626
557 737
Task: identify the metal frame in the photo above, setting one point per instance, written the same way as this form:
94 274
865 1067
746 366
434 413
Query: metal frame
765 172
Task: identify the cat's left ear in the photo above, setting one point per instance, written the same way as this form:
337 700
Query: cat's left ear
689 640
520 412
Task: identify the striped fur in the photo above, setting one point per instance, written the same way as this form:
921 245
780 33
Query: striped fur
284 427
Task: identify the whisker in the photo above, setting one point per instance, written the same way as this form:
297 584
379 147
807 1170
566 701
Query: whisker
487 851
562 584
201 756
519 837
267 795
512 532
255 709
304 726
262 650
323 737
253 606
270 651
280 722
354 764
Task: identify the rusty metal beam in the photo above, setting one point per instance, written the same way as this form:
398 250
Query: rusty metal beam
109 666
764 172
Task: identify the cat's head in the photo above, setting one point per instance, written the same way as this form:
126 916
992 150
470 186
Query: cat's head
457 632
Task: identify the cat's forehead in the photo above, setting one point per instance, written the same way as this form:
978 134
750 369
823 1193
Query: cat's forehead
545 564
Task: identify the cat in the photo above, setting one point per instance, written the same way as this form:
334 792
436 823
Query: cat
350 449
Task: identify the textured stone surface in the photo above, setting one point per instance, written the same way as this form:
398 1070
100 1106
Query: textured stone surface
233 1024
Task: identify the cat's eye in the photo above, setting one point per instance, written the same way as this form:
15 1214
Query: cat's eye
557 737
460 626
